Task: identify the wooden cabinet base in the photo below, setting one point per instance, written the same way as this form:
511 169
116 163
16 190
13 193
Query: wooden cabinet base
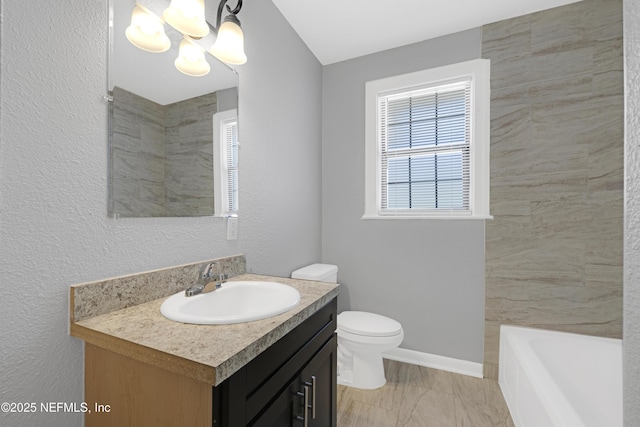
120 391
124 392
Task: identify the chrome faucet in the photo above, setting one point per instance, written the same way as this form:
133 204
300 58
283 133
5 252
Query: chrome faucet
207 282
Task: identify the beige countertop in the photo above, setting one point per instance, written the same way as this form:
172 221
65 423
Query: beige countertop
207 353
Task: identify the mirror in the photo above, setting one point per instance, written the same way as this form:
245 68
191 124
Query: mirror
161 123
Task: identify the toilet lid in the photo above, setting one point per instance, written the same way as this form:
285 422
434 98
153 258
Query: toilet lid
368 324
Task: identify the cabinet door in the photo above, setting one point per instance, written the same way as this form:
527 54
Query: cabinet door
287 409
309 400
320 374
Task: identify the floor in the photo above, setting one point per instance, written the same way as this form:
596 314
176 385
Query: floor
423 397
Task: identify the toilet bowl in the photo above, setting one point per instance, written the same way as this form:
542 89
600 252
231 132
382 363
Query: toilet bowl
362 338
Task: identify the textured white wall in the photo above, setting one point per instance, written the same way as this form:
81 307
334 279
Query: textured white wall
631 329
54 230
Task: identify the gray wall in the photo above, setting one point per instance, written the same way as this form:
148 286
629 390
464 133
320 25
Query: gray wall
427 274
54 229
554 247
631 329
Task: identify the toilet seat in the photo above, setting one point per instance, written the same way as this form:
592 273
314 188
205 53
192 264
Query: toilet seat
369 341
366 324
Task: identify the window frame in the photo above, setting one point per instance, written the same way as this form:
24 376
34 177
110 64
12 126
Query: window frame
221 181
477 71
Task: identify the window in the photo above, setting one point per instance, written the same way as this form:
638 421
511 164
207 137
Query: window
225 132
427 143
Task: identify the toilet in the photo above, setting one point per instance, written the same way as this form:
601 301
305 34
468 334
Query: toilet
362 337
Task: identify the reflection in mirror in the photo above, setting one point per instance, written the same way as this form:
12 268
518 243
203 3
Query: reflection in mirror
161 124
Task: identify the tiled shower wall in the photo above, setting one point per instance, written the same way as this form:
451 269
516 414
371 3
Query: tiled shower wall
163 155
189 152
554 247
137 152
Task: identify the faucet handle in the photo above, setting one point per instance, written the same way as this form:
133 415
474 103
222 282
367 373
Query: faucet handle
222 278
194 290
207 271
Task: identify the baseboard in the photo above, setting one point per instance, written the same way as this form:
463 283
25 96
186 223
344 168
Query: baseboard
434 361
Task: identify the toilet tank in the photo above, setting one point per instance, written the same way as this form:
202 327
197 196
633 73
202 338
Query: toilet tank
318 272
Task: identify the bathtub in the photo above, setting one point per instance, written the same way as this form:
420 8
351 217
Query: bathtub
553 378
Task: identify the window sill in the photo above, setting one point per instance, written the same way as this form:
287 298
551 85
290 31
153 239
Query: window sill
226 215
436 217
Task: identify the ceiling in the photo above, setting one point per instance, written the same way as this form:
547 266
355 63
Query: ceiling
153 75
337 30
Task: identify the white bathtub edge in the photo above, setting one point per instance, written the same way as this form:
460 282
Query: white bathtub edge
507 392
434 361
530 390
546 391
509 399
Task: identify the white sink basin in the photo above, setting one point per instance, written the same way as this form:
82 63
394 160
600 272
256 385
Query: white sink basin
234 302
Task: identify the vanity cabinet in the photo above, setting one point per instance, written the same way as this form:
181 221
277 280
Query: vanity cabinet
270 390
306 400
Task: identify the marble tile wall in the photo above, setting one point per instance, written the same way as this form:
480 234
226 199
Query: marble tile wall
138 156
189 152
163 156
554 248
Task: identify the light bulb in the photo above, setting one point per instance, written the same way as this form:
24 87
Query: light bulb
147 31
187 16
191 60
229 46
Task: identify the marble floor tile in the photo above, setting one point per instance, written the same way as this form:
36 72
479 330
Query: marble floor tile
479 403
354 414
415 396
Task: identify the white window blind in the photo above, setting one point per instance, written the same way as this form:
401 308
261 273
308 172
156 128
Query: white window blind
225 147
230 139
427 143
424 148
